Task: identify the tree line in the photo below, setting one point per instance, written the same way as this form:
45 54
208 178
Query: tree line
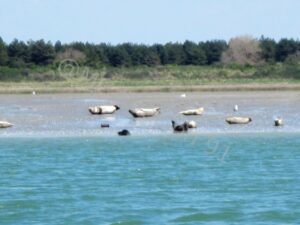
244 50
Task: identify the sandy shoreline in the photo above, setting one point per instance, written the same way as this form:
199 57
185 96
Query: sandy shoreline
61 115
48 88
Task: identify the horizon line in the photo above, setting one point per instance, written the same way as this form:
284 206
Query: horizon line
144 43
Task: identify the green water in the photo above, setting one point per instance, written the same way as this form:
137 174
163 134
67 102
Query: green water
175 179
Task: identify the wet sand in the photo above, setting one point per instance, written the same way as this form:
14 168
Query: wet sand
67 114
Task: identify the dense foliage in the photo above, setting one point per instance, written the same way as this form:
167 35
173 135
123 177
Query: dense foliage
239 51
23 54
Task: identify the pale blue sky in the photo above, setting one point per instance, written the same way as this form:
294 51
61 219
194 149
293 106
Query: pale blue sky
147 21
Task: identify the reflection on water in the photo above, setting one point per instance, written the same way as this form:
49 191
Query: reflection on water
67 114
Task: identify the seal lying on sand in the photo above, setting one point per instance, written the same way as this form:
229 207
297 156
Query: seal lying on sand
192 124
124 133
5 124
103 109
180 128
142 112
191 112
278 122
238 120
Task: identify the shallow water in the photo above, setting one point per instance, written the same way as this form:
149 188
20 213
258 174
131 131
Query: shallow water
58 166
173 179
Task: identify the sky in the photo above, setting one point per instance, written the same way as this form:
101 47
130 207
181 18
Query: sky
147 21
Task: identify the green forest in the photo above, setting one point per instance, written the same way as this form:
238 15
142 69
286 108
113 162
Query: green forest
240 57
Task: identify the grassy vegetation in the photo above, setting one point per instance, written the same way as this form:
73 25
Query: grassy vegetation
75 78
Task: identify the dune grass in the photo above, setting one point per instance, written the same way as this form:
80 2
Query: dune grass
162 78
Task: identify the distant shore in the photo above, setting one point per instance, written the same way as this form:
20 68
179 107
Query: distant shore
168 78
52 87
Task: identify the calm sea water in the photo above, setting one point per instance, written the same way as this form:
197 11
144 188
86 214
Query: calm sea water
172 179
